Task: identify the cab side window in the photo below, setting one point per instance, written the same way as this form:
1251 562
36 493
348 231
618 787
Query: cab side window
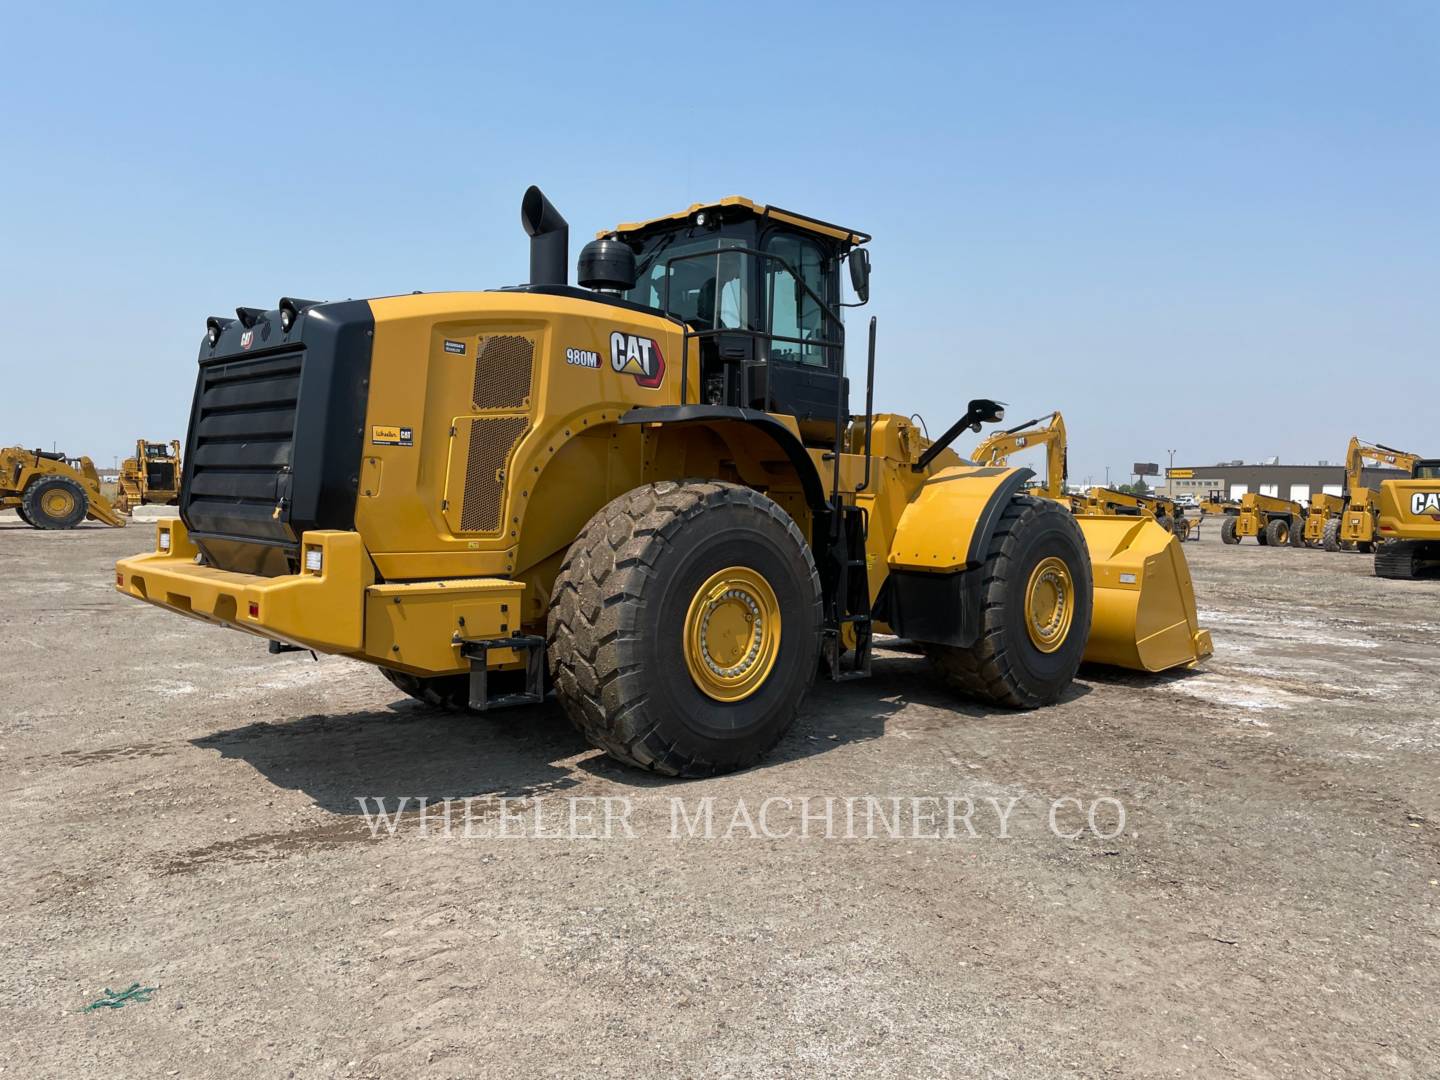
794 312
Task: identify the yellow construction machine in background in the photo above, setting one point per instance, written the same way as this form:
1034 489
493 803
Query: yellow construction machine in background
1044 431
1354 527
151 476
52 491
1161 509
1274 522
1408 523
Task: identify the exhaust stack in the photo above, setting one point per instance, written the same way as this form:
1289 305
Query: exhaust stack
549 239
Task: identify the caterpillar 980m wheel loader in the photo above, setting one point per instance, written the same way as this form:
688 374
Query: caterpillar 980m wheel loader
52 491
650 484
151 476
1408 523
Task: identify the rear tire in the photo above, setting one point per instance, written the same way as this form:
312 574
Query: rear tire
1297 534
1227 530
55 502
452 692
1007 666
25 517
1277 532
633 644
1365 547
1331 542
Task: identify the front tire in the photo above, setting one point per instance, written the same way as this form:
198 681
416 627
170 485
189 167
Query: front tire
1277 532
685 626
55 502
1228 535
1038 601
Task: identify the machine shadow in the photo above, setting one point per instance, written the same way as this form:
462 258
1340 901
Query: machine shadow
410 749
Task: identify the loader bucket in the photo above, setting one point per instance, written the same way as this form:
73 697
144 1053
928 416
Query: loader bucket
1145 615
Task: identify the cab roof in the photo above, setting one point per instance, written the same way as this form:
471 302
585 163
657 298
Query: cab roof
851 237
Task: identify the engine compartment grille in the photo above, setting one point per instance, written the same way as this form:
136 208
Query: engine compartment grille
242 445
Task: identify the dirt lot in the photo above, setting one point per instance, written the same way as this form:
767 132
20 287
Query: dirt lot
180 810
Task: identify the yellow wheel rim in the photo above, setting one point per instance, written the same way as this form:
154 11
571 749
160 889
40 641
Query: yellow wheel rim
1049 604
57 503
732 634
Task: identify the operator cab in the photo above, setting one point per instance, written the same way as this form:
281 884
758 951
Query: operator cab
1427 469
759 287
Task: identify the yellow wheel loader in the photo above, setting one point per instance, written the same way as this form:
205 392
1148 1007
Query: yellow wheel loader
151 476
1355 526
649 485
1272 521
52 491
1409 523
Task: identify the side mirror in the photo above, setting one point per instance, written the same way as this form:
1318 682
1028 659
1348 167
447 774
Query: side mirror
860 273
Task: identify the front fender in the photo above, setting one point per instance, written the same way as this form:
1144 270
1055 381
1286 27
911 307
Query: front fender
936 560
948 524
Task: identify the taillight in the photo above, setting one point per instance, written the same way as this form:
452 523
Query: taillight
254 610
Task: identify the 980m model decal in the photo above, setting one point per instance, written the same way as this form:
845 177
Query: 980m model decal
582 358
631 354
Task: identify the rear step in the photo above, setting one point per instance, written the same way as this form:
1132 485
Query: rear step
477 652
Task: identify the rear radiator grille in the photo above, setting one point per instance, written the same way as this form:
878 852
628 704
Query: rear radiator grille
242 443
492 440
502 371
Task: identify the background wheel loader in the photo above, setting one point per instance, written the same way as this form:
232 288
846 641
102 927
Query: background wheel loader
151 476
650 485
1273 522
1409 523
52 491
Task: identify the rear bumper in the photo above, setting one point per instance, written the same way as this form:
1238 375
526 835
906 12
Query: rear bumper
333 605
321 609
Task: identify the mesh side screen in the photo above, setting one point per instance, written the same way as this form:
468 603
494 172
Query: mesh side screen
502 371
491 442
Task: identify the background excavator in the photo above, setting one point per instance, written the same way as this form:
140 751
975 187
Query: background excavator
51 491
1409 523
1355 527
1044 431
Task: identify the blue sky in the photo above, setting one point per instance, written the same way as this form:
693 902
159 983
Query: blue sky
1209 227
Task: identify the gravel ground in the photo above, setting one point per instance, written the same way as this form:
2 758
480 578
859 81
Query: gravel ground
180 809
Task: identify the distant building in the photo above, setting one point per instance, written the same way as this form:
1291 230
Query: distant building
1296 482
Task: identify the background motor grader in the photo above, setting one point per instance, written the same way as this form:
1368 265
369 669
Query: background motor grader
151 476
651 484
52 491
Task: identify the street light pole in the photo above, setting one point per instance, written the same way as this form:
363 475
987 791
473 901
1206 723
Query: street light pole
1169 482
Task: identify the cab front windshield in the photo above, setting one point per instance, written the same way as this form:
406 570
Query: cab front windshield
713 286
1427 470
